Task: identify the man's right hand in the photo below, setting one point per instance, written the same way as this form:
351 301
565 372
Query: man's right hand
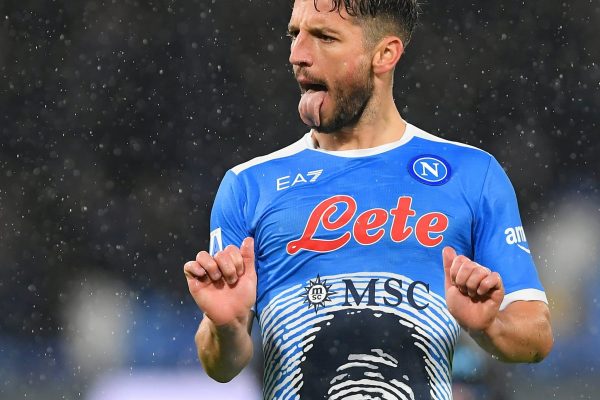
224 286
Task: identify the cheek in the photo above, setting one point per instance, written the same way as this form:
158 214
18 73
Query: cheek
346 76
351 76
348 71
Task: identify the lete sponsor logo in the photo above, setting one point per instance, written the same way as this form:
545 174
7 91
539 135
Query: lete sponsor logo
336 214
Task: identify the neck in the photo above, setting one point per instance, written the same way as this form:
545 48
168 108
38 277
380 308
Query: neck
380 124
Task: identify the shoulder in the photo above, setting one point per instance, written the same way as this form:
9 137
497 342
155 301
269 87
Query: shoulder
276 156
448 145
460 156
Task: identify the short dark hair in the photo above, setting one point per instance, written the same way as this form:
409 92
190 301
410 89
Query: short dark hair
397 17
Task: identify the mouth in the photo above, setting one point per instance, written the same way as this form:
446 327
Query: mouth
315 87
306 86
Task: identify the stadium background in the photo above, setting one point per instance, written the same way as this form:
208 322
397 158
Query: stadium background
118 119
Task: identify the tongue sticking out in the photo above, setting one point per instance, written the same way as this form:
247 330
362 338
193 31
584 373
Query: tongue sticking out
310 106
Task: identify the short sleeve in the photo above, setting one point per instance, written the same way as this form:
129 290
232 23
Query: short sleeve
499 239
227 219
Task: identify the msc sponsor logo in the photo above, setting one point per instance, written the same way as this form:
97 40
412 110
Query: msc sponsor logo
517 237
392 288
390 292
317 293
429 169
368 227
288 181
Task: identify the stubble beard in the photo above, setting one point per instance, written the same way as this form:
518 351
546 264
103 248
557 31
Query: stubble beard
350 105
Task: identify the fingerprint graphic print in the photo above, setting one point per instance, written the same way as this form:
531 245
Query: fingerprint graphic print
361 347
371 383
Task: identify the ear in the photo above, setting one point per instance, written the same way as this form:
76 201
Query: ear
387 54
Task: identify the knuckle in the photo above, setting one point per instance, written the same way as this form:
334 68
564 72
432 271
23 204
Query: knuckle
189 266
231 250
223 264
473 284
208 263
482 273
212 264
238 260
201 255
219 258
227 269
462 259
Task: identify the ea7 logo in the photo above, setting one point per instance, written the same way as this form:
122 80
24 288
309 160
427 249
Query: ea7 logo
516 236
286 182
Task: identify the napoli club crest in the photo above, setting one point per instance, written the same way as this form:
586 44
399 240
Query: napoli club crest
430 169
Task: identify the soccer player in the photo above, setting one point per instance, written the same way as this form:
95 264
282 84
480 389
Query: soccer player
364 247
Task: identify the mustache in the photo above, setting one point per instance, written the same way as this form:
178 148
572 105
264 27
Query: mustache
303 73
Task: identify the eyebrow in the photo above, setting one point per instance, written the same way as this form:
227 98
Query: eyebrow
314 29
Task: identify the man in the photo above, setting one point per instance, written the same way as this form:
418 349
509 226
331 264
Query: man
348 238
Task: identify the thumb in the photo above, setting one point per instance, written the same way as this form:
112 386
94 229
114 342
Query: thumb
448 256
247 251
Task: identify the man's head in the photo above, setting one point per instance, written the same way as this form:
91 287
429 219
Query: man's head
380 18
344 53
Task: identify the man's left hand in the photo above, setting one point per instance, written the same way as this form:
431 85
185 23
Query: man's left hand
473 292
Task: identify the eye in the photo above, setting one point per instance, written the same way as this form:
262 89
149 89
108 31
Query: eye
326 38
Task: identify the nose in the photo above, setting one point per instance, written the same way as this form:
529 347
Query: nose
300 51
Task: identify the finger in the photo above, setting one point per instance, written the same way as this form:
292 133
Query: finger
238 260
460 270
193 270
226 266
462 276
247 252
477 276
209 264
492 282
448 255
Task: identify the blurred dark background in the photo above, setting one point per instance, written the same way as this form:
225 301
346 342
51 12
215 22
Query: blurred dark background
119 118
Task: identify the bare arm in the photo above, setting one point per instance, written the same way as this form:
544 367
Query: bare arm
520 333
224 288
224 350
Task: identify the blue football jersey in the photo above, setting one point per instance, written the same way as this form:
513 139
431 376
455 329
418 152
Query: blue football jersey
350 296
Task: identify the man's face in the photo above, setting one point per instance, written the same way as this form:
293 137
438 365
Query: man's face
331 64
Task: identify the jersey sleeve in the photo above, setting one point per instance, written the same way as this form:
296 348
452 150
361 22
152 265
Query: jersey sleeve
499 239
227 220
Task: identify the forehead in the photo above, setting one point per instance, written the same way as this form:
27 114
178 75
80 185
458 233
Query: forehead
305 12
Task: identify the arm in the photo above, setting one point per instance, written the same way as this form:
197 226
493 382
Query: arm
519 333
224 350
224 288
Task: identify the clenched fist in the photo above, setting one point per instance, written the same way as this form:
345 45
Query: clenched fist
224 286
473 292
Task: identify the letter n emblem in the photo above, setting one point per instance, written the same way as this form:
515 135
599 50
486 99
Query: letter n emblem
430 169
